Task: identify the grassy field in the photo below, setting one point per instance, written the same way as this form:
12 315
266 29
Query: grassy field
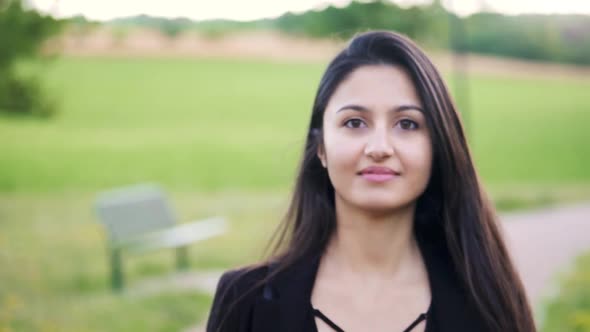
570 310
203 125
54 265
223 138
190 125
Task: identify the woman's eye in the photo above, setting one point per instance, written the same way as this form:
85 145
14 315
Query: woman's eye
407 124
354 123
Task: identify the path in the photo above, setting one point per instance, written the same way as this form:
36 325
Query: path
545 242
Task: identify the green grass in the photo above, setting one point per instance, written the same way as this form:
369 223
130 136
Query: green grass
223 137
190 125
570 311
104 312
203 125
531 131
55 273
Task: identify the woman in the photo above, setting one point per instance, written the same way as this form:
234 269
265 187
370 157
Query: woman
388 228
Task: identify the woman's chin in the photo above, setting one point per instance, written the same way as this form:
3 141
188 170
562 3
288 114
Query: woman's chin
382 205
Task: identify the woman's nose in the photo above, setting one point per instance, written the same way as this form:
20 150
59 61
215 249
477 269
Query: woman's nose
378 145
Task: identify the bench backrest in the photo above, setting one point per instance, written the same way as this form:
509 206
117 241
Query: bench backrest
133 211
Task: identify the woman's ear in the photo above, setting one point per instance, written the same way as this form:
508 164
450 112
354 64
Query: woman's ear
322 155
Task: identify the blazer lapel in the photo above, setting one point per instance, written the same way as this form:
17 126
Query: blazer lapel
284 303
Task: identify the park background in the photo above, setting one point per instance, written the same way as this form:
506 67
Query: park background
215 112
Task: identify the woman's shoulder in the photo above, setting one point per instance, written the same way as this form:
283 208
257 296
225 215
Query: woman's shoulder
236 289
243 277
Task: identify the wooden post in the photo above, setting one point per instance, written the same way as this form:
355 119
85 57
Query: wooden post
117 280
459 52
182 258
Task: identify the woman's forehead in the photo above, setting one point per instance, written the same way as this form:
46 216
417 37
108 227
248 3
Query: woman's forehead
376 86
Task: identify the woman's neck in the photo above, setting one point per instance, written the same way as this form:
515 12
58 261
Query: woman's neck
375 245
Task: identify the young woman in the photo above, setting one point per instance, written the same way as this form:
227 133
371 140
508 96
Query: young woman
389 228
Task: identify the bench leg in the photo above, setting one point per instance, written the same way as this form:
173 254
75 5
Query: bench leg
117 280
182 258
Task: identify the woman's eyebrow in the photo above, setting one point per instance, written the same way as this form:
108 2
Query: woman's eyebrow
399 108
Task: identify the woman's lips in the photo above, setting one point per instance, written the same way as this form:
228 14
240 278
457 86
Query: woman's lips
378 174
377 177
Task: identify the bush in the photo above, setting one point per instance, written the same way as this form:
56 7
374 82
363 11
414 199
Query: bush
24 96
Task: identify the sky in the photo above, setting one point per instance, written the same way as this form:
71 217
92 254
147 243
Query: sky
244 10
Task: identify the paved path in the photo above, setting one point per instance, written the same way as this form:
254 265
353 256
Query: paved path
204 281
542 242
546 242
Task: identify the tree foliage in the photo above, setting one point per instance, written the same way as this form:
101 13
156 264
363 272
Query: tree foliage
561 38
22 34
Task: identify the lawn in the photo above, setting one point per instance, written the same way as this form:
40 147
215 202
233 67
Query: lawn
206 125
223 137
187 124
54 263
569 311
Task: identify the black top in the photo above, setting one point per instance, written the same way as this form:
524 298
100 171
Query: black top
243 303
335 327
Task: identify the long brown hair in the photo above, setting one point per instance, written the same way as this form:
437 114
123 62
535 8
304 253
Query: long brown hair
453 205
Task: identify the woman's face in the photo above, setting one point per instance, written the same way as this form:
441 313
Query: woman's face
376 145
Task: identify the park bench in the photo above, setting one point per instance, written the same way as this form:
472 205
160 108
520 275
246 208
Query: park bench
139 219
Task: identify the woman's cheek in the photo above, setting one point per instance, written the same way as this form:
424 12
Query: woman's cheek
422 163
416 157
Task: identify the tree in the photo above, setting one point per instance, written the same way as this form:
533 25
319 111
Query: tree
22 34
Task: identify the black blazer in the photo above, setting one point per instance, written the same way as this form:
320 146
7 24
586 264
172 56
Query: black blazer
283 303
